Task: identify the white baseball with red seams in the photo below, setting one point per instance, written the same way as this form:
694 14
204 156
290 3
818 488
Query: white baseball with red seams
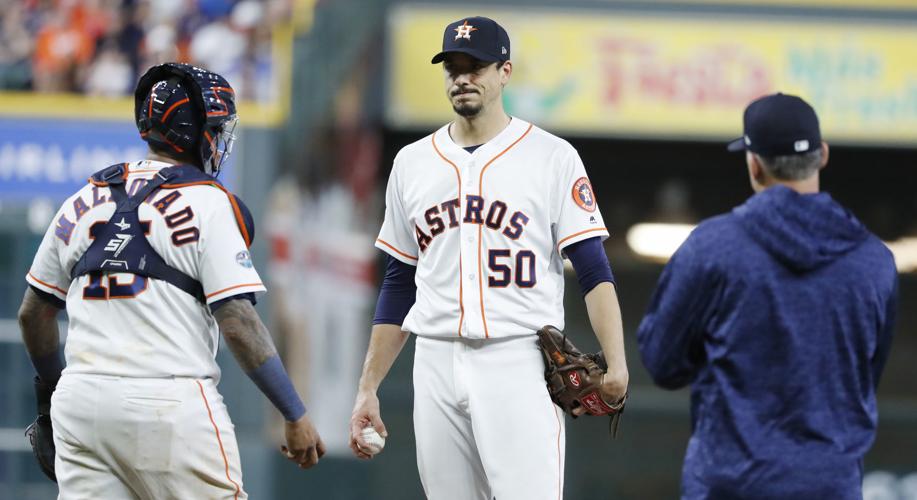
374 441
486 231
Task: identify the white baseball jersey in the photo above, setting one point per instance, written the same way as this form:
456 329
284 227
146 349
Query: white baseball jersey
486 230
132 326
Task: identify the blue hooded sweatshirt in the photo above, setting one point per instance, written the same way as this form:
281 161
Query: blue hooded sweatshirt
779 315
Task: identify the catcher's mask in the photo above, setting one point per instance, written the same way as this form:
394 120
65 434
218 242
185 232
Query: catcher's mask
188 110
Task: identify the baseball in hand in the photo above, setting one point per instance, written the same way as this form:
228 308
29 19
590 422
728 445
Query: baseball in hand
374 442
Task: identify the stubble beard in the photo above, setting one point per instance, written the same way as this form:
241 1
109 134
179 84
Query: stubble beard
467 110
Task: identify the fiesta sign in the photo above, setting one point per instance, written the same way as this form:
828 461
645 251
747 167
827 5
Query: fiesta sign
608 73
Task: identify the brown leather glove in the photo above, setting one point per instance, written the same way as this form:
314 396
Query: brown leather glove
574 378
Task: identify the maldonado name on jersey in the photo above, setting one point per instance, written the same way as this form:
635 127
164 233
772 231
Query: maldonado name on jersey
176 220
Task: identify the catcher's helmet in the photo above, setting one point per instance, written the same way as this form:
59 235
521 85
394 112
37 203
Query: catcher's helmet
187 110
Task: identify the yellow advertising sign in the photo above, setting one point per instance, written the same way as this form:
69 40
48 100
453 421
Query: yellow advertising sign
598 72
902 5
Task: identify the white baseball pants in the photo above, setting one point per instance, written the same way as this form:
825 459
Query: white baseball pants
484 423
139 438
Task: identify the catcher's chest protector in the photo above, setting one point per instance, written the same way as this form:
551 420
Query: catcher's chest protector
121 246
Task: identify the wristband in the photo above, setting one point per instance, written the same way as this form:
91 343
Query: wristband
273 381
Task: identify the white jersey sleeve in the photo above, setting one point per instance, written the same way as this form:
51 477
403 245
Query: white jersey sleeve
396 237
577 212
226 267
47 272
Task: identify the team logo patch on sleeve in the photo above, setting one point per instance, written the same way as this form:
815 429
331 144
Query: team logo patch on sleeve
582 194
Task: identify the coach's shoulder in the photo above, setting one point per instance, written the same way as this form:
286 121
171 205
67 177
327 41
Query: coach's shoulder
878 255
711 234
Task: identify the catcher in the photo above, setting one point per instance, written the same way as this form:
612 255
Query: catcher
151 261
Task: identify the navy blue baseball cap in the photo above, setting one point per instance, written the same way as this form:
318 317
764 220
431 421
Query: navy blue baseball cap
480 37
779 125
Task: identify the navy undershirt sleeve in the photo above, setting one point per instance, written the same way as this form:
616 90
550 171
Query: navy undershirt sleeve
397 294
51 299
590 263
49 366
220 303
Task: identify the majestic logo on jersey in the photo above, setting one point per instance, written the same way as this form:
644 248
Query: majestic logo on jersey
464 31
118 243
582 194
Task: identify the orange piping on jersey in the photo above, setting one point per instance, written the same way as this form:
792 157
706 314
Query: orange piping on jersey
237 212
481 283
233 287
458 177
219 440
574 235
399 252
47 284
240 221
560 465
480 227
171 108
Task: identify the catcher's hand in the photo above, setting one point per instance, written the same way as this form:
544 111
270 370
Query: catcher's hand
575 379
40 433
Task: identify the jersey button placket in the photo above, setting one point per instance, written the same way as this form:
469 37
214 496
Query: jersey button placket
469 237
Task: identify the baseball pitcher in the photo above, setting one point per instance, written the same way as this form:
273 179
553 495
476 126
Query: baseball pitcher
478 218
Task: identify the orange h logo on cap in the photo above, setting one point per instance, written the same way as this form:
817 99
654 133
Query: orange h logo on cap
464 31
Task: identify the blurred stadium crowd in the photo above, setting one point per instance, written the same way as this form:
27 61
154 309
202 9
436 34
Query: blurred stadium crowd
100 47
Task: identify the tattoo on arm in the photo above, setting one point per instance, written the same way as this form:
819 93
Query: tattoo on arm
38 323
245 334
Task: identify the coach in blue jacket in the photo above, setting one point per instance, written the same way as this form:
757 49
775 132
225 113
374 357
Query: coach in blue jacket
779 315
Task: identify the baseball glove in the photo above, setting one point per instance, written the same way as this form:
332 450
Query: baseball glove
574 378
40 433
